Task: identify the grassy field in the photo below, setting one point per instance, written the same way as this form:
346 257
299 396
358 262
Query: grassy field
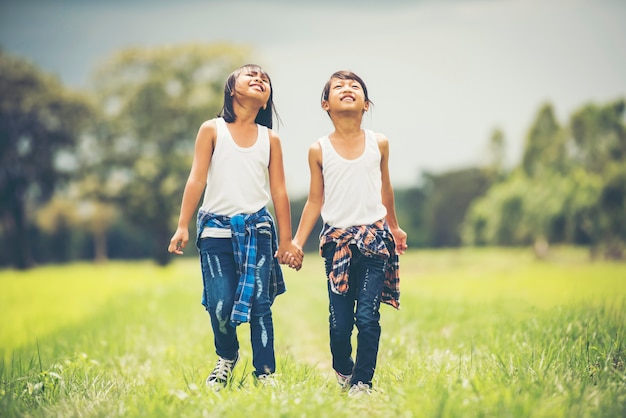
481 333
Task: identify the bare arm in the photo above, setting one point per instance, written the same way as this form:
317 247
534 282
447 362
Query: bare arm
205 143
313 206
280 199
388 195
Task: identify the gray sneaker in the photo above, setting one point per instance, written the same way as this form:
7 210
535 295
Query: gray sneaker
221 373
343 380
359 389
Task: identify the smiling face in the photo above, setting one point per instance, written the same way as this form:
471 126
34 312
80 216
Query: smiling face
249 82
345 91
252 81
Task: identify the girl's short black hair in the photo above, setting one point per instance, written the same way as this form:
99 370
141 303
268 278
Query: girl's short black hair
345 75
265 116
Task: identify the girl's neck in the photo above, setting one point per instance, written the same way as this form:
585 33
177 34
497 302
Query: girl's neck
244 116
244 120
347 127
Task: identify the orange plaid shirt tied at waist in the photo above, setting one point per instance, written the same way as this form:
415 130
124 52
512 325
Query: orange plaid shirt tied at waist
370 240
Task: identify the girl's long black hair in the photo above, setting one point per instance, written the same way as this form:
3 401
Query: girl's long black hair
265 116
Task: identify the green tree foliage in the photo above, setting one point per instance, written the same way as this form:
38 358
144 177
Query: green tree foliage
570 186
521 211
154 102
40 122
496 154
599 135
545 145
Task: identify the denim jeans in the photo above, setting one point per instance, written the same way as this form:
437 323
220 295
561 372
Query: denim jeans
220 281
360 306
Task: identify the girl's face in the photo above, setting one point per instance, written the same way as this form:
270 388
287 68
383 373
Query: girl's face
345 94
253 82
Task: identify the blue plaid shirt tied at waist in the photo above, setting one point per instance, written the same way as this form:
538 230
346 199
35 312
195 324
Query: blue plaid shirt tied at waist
370 240
244 239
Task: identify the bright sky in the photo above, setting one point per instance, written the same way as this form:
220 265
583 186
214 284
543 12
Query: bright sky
442 74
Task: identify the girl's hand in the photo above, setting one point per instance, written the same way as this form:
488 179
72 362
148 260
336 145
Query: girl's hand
179 241
296 257
291 255
400 237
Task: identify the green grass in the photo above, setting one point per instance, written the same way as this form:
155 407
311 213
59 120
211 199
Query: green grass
481 333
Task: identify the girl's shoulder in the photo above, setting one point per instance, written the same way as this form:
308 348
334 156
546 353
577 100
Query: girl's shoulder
380 138
211 123
208 131
270 132
273 136
377 135
382 141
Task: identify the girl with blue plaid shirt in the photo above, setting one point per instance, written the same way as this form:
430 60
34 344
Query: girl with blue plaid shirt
238 164
360 242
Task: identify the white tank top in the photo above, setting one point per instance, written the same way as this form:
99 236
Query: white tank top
238 178
352 188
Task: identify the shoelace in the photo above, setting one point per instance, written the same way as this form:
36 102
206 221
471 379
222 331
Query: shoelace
222 369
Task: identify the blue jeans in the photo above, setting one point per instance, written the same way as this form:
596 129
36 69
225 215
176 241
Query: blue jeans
220 281
360 306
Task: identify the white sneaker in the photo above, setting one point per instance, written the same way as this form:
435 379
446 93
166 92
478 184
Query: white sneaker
267 380
343 380
221 373
359 389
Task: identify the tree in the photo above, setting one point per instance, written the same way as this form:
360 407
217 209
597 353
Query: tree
525 207
495 154
545 144
569 187
496 218
599 136
155 101
40 122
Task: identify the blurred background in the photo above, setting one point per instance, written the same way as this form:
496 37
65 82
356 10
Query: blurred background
506 118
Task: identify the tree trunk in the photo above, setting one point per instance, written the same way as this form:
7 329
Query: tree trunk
614 249
541 248
100 246
161 256
19 236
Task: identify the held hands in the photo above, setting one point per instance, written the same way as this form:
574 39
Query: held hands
400 237
178 241
290 254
